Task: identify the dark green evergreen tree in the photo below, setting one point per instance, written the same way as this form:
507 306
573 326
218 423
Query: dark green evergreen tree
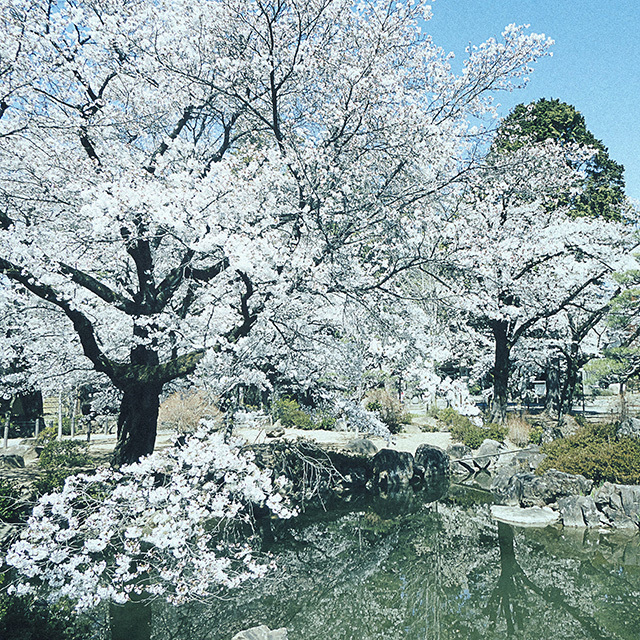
603 190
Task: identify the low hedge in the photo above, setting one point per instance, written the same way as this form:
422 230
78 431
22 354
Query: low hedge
597 453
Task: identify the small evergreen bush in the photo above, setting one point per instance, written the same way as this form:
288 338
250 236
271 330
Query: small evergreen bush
13 507
463 430
597 453
536 433
64 453
290 414
59 459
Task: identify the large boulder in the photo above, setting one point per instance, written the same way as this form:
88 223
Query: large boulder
579 511
620 503
261 633
522 460
529 517
458 450
432 461
528 490
489 448
488 455
629 427
392 469
362 447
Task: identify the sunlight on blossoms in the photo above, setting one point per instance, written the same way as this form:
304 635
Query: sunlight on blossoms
158 527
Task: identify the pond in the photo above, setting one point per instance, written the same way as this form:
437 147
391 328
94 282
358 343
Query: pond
403 566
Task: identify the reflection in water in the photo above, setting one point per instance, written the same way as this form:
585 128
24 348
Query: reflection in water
510 598
400 566
131 621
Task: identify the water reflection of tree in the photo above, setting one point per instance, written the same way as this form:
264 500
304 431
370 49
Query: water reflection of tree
131 621
439 572
510 598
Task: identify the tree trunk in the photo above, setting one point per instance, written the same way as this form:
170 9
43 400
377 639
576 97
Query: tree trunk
501 370
624 409
567 393
552 400
137 422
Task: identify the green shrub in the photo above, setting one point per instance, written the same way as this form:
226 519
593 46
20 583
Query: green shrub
496 431
536 433
46 435
64 453
291 415
433 411
324 420
60 459
471 435
581 420
451 417
463 430
596 452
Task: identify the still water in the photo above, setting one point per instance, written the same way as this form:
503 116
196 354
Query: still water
406 567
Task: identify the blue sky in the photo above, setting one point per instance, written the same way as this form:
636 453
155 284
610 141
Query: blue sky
595 64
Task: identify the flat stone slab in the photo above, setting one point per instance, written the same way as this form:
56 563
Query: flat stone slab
529 517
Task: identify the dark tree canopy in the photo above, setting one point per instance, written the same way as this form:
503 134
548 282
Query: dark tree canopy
536 122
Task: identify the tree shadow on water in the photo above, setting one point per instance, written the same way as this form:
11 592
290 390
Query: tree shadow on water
514 594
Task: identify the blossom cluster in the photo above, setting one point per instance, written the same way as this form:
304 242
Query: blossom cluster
162 527
358 419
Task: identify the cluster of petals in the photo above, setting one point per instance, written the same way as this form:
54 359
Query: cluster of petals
157 527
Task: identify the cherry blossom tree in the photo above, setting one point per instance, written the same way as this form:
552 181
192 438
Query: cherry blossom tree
181 179
600 195
518 258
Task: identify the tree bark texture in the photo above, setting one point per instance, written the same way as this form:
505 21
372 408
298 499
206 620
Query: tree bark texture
137 422
552 399
501 369
573 363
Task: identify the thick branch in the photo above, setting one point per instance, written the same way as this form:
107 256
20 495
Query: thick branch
87 145
139 249
81 324
183 272
535 263
98 288
549 312
224 145
186 116
248 318
183 365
